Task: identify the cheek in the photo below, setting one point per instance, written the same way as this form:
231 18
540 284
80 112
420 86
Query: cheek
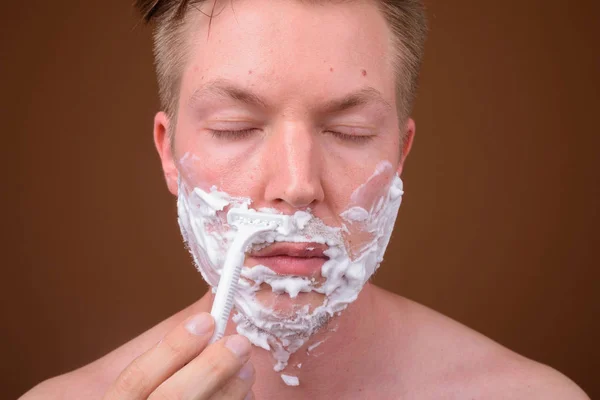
357 184
370 193
359 177
203 165
359 219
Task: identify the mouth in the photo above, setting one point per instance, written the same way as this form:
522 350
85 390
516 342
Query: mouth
297 259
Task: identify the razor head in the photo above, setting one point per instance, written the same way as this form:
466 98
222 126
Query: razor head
258 220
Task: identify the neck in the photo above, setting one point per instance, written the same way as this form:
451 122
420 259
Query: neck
322 363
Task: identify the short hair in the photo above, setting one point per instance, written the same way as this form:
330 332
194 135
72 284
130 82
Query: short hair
406 19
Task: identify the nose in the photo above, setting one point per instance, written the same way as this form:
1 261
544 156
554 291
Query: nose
293 160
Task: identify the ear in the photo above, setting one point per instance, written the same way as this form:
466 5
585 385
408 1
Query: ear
165 150
407 141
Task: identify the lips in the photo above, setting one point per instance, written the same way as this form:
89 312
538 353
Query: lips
298 259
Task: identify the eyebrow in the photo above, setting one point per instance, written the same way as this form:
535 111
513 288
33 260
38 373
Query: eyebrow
227 89
358 98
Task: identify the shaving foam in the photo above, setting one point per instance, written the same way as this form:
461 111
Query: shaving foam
290 380
348 268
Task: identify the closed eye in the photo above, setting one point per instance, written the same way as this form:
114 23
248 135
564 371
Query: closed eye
232 134
244 133
351 138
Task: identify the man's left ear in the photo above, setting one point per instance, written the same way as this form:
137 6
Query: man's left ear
408 136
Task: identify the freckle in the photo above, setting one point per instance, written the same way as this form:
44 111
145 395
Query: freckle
364 72
331 69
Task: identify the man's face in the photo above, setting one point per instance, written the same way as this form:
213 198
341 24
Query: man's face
290 104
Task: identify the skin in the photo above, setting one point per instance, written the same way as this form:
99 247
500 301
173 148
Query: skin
385 346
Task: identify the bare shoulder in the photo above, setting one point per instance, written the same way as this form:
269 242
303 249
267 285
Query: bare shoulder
443 358
527 379
92 380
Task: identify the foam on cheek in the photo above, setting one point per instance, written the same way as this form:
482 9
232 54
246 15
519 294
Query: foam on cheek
202 221
370 218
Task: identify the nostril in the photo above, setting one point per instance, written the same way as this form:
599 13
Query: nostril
298 200
302 195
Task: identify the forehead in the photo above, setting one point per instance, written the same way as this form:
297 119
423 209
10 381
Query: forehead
297 50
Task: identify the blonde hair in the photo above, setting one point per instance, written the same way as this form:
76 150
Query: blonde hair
406 18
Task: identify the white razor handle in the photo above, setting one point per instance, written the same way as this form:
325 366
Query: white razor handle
249 223
230 276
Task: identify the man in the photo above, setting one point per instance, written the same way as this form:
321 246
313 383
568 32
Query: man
302 108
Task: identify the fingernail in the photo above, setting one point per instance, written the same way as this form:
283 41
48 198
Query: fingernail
200 324
246 372
239 345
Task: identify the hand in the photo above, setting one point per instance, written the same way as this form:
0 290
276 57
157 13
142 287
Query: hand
181 366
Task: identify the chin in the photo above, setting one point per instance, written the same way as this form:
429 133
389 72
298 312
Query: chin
284 306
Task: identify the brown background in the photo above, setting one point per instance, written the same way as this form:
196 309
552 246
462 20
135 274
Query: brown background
499 228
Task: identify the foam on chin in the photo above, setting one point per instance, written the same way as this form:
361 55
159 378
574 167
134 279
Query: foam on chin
207 235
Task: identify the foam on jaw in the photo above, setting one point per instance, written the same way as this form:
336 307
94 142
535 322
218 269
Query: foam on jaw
345 272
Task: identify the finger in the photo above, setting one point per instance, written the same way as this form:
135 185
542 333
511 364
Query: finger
148 371
207 373
238 387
